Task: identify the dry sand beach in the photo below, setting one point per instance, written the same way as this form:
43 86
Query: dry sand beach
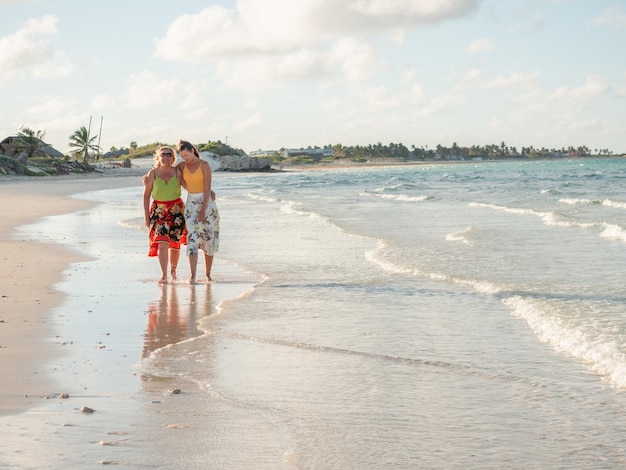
31 270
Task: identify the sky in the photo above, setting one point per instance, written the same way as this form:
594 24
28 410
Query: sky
272 74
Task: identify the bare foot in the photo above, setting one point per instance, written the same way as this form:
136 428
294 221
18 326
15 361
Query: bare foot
174 275
163 280
192 281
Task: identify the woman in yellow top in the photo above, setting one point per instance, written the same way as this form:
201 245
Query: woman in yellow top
164 217
201 215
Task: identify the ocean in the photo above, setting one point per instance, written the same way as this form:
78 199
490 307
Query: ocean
448 316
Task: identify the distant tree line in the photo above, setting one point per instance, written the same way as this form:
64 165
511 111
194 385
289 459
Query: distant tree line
456 152
29 143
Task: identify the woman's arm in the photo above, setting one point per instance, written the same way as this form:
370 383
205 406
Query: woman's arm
148 181
179 174
206 195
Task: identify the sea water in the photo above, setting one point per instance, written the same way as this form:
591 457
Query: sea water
431 316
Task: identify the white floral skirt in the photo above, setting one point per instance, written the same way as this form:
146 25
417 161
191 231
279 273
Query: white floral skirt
201 235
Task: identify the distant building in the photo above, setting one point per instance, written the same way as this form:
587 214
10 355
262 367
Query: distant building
264 153
9 147
317 154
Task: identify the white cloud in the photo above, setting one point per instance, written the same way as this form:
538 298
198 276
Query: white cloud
246 124
514 79
271 26
261 43
56 66
329 105
194 92
346 59
380 98
432 10
529 23
101 101
28 50
260 72
621 91
409 74
593 86
56 115
612 17
480 46
468 77
146 89
51 106
251 103
357 60
438 105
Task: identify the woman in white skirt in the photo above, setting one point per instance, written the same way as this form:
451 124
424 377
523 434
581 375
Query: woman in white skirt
201 215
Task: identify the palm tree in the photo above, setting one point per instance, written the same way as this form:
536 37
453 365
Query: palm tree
83 143
29 142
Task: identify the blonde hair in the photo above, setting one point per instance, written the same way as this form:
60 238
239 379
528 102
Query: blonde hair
159 151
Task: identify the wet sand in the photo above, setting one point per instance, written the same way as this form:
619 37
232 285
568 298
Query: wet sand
30 272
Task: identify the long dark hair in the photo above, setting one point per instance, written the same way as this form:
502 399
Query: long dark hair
184 145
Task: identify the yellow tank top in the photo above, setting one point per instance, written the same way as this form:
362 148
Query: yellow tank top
195 180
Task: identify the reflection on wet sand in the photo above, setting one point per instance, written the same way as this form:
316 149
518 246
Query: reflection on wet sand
174 316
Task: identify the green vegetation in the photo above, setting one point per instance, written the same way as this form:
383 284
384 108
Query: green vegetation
400 152
137 151
219 148
82 142
29 142
143 150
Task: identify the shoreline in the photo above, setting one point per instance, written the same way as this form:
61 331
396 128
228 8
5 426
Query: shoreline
382 164
34 269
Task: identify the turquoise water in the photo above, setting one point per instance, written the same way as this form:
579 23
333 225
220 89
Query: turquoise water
446 316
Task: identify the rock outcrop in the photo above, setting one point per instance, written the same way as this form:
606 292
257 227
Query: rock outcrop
236 162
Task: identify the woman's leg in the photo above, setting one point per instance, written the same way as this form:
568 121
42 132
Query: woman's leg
208 263
174 257
193 265
163 259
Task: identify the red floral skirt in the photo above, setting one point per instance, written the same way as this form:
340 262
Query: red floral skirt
167 224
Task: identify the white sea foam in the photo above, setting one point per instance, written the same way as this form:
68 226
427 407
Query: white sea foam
294 208
602 355
604 202
259 197
549 218
614 232
575 201
511 210
460 236
381 256
614 204
396 197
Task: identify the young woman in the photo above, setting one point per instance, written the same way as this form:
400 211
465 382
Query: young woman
201 215
165 216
